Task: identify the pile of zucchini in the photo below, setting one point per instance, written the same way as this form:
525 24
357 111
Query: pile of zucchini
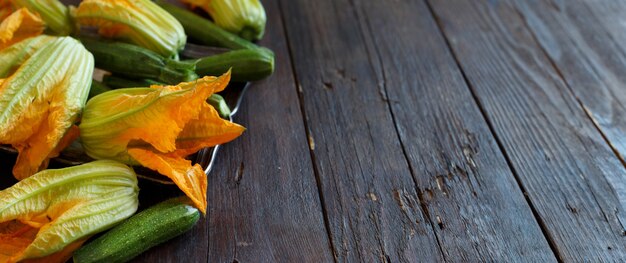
135 66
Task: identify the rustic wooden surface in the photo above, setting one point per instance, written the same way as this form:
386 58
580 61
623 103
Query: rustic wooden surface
571 176
423 131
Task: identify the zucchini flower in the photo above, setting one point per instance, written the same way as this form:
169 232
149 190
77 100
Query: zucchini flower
5 9
18 26
12 57
52 212
53 12
245 18
41 100
157 128
140 22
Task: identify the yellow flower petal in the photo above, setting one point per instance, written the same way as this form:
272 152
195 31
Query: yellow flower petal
41 101
5 9
206 131
45 142
140 22
14 56
157 127
190 179
131 117
53 209
18 26
61 256
16 236
53 12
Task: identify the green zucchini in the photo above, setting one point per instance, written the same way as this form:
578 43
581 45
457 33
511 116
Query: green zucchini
142 231
220 105
246 64
204 31
116 82
138 63
97 88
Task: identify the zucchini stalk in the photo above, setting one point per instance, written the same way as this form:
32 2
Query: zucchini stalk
138 63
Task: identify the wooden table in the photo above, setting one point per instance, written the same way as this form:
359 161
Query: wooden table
425 131
422 131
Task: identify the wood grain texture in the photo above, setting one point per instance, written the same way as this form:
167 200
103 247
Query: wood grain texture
263 203
372 147
466 185
560 158
350 70
585 41
369 195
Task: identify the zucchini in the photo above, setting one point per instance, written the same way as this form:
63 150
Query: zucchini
116 82
220 105
97 88
142 231
246 64
204 31
138 63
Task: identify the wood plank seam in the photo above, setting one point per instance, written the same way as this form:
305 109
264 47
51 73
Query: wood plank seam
484 114
384 91
310 142
583 149
380 250
267 207
567 84
473 197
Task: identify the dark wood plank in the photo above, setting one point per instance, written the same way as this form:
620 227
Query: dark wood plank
586 43
372 205
467 186
353 57
263 203
560 158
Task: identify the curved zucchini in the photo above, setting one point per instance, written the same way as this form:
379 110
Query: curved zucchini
142 231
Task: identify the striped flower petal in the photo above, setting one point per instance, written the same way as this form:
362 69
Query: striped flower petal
158 127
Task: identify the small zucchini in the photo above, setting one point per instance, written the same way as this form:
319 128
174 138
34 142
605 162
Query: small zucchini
219 103
142 231
138 63
246 64
116 82
204 31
